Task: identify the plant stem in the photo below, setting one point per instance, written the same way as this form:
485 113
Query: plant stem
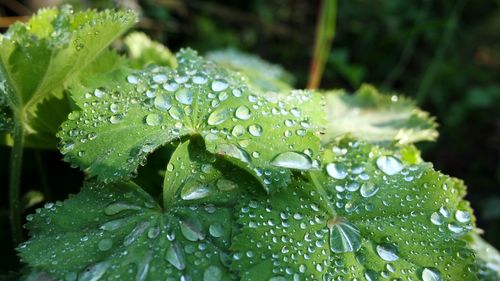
16 161
325 32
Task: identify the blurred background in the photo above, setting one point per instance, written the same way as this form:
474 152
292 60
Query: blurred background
443 53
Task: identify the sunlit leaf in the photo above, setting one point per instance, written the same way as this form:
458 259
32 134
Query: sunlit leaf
143 51
367 214
372 116
126 115
261 74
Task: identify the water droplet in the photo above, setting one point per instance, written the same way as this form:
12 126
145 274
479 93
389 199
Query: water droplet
105 244
175 256
153 119
226 185
242 112
371 275
115 208
233 151
255 130
431 274
238 130
99 93
219 85
389 165
163 102
462 216
336 170
387 252
115 119
94 272
344 236
184 96
216 229
193 192
132 79
292 160
212 273
278 278
175 113
192 230
136 232
199 80
436 219
160 78
218 117
368 189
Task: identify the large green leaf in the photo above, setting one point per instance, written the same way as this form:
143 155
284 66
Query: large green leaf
40 57
367 216
119 232
261 74
143 51
374 117
126 115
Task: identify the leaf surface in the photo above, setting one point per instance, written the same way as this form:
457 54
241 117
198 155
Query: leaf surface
377 118
42 56
143 51
128 114
366 214
261 74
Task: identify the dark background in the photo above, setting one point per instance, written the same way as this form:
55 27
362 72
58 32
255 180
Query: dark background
443 53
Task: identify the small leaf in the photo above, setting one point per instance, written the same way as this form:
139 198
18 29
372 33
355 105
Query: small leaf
39 58
370 222
159 105
143 51
261 74
120 232
377 118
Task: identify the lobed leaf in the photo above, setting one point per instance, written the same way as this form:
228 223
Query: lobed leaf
261 74
366 214
143 51
40 57
377 118
265 135
120 232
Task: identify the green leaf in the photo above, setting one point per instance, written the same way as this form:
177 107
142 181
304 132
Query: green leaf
377 118
120 232
261 74
128 114
143 51
366 214
488 259
40 57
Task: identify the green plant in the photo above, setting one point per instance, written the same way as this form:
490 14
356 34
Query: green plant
255 185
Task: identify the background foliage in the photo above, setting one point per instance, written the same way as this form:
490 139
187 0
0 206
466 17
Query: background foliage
445 54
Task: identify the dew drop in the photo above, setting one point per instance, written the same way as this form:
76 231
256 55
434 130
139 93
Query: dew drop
431 274
292 160
371 275
160 78
153 119
216 229
226 185
336 171
389 165
387 252
255 130
462 216
199 80
217 117
242 112
278 278
368 189
212 273
219 85
175 256
238 130
175 113
233 151
94 272
184 96
436 219
99 93
192 230
105 244
344 236
163 102
194 192
132 79
115 208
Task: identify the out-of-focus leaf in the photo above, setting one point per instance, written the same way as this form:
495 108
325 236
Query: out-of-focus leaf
377 118
143 51
487 259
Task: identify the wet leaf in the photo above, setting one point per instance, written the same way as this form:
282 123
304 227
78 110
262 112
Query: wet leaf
377 118
128 111
370 215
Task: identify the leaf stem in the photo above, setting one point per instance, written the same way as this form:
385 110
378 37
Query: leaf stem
325 32
16 162
324 196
